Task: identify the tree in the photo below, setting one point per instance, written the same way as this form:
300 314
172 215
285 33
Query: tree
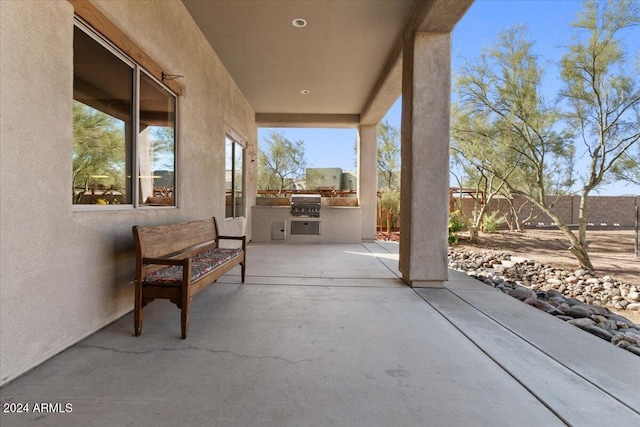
628 167
512 128
603 98
280 162
475 152
98 149
481 160
388 154
600 101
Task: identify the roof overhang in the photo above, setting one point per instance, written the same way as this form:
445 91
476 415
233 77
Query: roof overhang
347 57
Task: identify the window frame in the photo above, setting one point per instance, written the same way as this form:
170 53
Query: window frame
138 69
237 141
136 168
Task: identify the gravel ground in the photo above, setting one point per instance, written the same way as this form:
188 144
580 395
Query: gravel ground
612 251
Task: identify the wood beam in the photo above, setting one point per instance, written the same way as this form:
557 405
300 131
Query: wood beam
94 17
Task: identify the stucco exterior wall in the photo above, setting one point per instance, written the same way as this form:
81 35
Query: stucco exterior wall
66 273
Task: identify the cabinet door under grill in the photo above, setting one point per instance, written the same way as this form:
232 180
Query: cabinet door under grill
311 228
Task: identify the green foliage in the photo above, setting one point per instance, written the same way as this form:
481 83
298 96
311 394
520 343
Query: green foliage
313 178
491 223
388 154
456 224
99 152
602 91
280 162
628 168
502 126
390 201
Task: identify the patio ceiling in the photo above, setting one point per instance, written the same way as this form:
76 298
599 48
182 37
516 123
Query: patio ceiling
347 56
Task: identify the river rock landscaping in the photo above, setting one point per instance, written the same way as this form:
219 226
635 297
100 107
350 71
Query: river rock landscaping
578 297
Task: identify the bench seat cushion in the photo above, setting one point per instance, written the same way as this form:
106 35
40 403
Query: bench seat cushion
201 264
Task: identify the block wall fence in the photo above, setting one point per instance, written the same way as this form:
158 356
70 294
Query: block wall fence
607 212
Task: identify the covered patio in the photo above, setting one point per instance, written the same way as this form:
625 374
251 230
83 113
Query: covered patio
360 334
326 335
205 75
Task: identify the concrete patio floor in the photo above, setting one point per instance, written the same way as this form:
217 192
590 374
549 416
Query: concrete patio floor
328 335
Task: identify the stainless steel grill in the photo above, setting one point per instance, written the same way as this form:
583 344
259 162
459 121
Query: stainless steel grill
306 205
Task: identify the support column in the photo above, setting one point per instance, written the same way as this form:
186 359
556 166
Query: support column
368 180
426 99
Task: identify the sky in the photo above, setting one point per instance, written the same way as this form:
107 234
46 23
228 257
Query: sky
548 28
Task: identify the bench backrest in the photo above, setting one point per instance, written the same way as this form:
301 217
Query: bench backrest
159 240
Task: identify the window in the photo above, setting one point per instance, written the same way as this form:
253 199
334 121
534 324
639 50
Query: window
234 166
156 144
123 126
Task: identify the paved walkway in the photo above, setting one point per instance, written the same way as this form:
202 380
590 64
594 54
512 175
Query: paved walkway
327 335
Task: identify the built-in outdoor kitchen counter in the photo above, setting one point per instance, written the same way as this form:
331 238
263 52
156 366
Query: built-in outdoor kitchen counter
334 220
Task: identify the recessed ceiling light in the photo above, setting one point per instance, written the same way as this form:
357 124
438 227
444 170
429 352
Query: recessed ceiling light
305 92
299 23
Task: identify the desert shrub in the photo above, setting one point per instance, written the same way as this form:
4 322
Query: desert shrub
455 225
390 201
491 223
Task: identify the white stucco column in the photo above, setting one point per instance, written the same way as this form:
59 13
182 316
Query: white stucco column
368 179
426 92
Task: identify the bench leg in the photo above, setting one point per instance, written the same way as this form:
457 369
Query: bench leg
138 311
243 269
184 318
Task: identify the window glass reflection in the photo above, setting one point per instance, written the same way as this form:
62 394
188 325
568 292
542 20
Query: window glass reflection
234 179
102 118
156 144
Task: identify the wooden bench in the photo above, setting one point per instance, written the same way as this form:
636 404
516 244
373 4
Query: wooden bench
176 261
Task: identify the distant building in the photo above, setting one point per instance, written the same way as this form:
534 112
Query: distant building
349 180
324 178
331 178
